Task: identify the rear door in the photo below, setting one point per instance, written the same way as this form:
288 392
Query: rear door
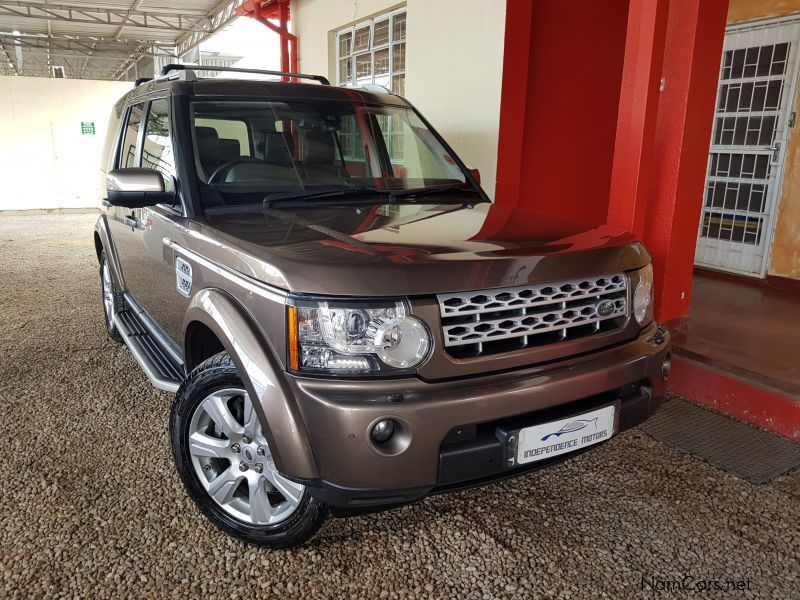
142 235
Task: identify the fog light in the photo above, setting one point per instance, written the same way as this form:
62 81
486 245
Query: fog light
666 366
383 431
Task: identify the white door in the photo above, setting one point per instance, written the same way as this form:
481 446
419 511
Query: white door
754 113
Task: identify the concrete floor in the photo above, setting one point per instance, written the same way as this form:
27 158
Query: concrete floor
743 328
91 504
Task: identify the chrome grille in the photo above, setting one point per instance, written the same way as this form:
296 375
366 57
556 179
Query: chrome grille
500 320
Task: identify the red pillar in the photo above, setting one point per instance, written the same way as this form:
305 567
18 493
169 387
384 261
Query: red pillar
695 33
283 13
636 119
562 68
511 136
586 132
264 10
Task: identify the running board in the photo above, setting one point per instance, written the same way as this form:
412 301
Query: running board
160 366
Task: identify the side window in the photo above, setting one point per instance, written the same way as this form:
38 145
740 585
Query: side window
127 156
157 147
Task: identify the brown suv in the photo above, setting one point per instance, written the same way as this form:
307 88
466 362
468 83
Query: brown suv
348 322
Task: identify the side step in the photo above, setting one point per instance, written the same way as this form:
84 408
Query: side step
163 370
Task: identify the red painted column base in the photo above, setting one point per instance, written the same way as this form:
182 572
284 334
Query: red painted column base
730 395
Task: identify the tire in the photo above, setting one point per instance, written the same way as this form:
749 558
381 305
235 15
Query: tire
214 431
112 301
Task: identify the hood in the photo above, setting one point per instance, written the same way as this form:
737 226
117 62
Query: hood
411 249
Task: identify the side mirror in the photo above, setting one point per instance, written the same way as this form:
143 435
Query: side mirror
476 175
136 188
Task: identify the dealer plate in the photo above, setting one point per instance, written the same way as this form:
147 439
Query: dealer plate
547 440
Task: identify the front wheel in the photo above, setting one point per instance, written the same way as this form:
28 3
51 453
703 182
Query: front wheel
226 465
111 298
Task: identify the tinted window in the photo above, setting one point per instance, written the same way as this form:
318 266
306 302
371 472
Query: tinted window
127 157
228 129
308 145
157 150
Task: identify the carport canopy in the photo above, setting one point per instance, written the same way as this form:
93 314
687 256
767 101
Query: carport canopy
106 39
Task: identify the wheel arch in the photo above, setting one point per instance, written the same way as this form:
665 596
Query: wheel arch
98 245
200 343
214 316
103 241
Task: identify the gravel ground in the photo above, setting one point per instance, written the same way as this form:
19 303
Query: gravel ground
92 506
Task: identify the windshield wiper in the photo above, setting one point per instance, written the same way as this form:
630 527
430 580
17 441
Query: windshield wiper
429 191
327 193
355 191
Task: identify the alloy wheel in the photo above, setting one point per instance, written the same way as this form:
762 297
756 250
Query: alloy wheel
108 294
233 462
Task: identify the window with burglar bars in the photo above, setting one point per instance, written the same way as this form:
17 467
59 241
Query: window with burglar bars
373 52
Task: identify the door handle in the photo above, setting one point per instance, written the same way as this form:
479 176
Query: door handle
133 222
776 152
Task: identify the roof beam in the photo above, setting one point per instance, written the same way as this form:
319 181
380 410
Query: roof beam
86 39
134 7
164 9
222 15
36 66
177 22
121 49
95 57
127 64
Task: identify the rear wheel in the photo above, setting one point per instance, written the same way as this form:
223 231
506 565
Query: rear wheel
111 298
226 464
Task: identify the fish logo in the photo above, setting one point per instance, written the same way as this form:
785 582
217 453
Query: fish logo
572 426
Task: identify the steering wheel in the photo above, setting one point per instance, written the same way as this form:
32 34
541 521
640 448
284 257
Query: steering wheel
222 171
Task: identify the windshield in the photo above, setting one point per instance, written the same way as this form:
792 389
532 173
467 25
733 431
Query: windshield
245 151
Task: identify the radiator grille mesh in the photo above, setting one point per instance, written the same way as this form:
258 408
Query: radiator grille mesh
498 320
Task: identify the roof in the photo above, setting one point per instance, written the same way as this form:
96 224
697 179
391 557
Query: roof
102 39
220 87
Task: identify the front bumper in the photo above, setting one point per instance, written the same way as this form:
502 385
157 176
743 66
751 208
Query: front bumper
452 429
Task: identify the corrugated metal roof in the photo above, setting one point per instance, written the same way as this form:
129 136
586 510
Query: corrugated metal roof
102 39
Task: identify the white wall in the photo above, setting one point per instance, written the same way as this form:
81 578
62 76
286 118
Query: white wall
45 162
454 64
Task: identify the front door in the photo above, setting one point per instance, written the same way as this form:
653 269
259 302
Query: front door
139 234
754 114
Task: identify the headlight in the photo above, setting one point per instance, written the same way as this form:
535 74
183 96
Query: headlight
352 337
643 296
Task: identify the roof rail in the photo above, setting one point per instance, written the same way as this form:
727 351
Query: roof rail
189 69
142 80
376 88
